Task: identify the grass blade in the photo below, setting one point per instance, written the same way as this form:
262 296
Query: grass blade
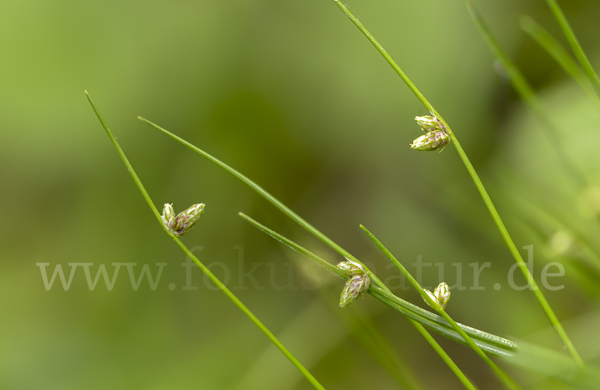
575 46
499 372
494 344
480 187
560 55
527 93
200 265
274 201
374 342
413 313
440 351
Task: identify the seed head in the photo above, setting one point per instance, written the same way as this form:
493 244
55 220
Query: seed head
355 287
428 123
441 295
351 268
184 221
168 215
433 140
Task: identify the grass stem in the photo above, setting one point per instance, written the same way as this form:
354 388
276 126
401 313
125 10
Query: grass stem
574 43
497 370
200 265
527 93
560 55
271 199
412 313
492 344
482 191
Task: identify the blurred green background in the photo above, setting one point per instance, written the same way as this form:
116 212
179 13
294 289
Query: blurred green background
291 94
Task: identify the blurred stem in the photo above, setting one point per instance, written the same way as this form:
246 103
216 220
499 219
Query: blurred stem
440 351
560 55
497 370
412 313
513 249
575 46
527 93
385 55
202 267
531 203
370 335
490 343
274 201
375 343
486 199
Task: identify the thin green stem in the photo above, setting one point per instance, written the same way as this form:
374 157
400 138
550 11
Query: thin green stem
501 374
271 199
369 331
412 312
545 306
447 359
385 55
546 214
560 55
490 343
575 46
514 251
527 92
487 342
202 267
500 346
376 344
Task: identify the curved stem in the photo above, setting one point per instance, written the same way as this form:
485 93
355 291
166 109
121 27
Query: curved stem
488 202
560 55
502 346
274 201
574 43
202 267
527 93
491 343
517 256
501 374
385 55
412 312
440 351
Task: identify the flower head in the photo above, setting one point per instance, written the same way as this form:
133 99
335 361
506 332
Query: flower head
428 123
433 140
441 295
168 215
351 268
184 221
355 287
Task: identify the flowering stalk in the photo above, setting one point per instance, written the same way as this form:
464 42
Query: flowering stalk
357 285
428 122
351 268
184 221
436 137
482 191
524 89
439 296
313 381
444 293
433 140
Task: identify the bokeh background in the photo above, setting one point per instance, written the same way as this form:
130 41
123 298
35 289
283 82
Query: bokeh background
291 94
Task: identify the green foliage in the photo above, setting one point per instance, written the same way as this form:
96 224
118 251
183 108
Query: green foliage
295 97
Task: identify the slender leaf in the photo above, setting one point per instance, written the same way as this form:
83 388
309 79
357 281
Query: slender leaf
200 265
574 43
